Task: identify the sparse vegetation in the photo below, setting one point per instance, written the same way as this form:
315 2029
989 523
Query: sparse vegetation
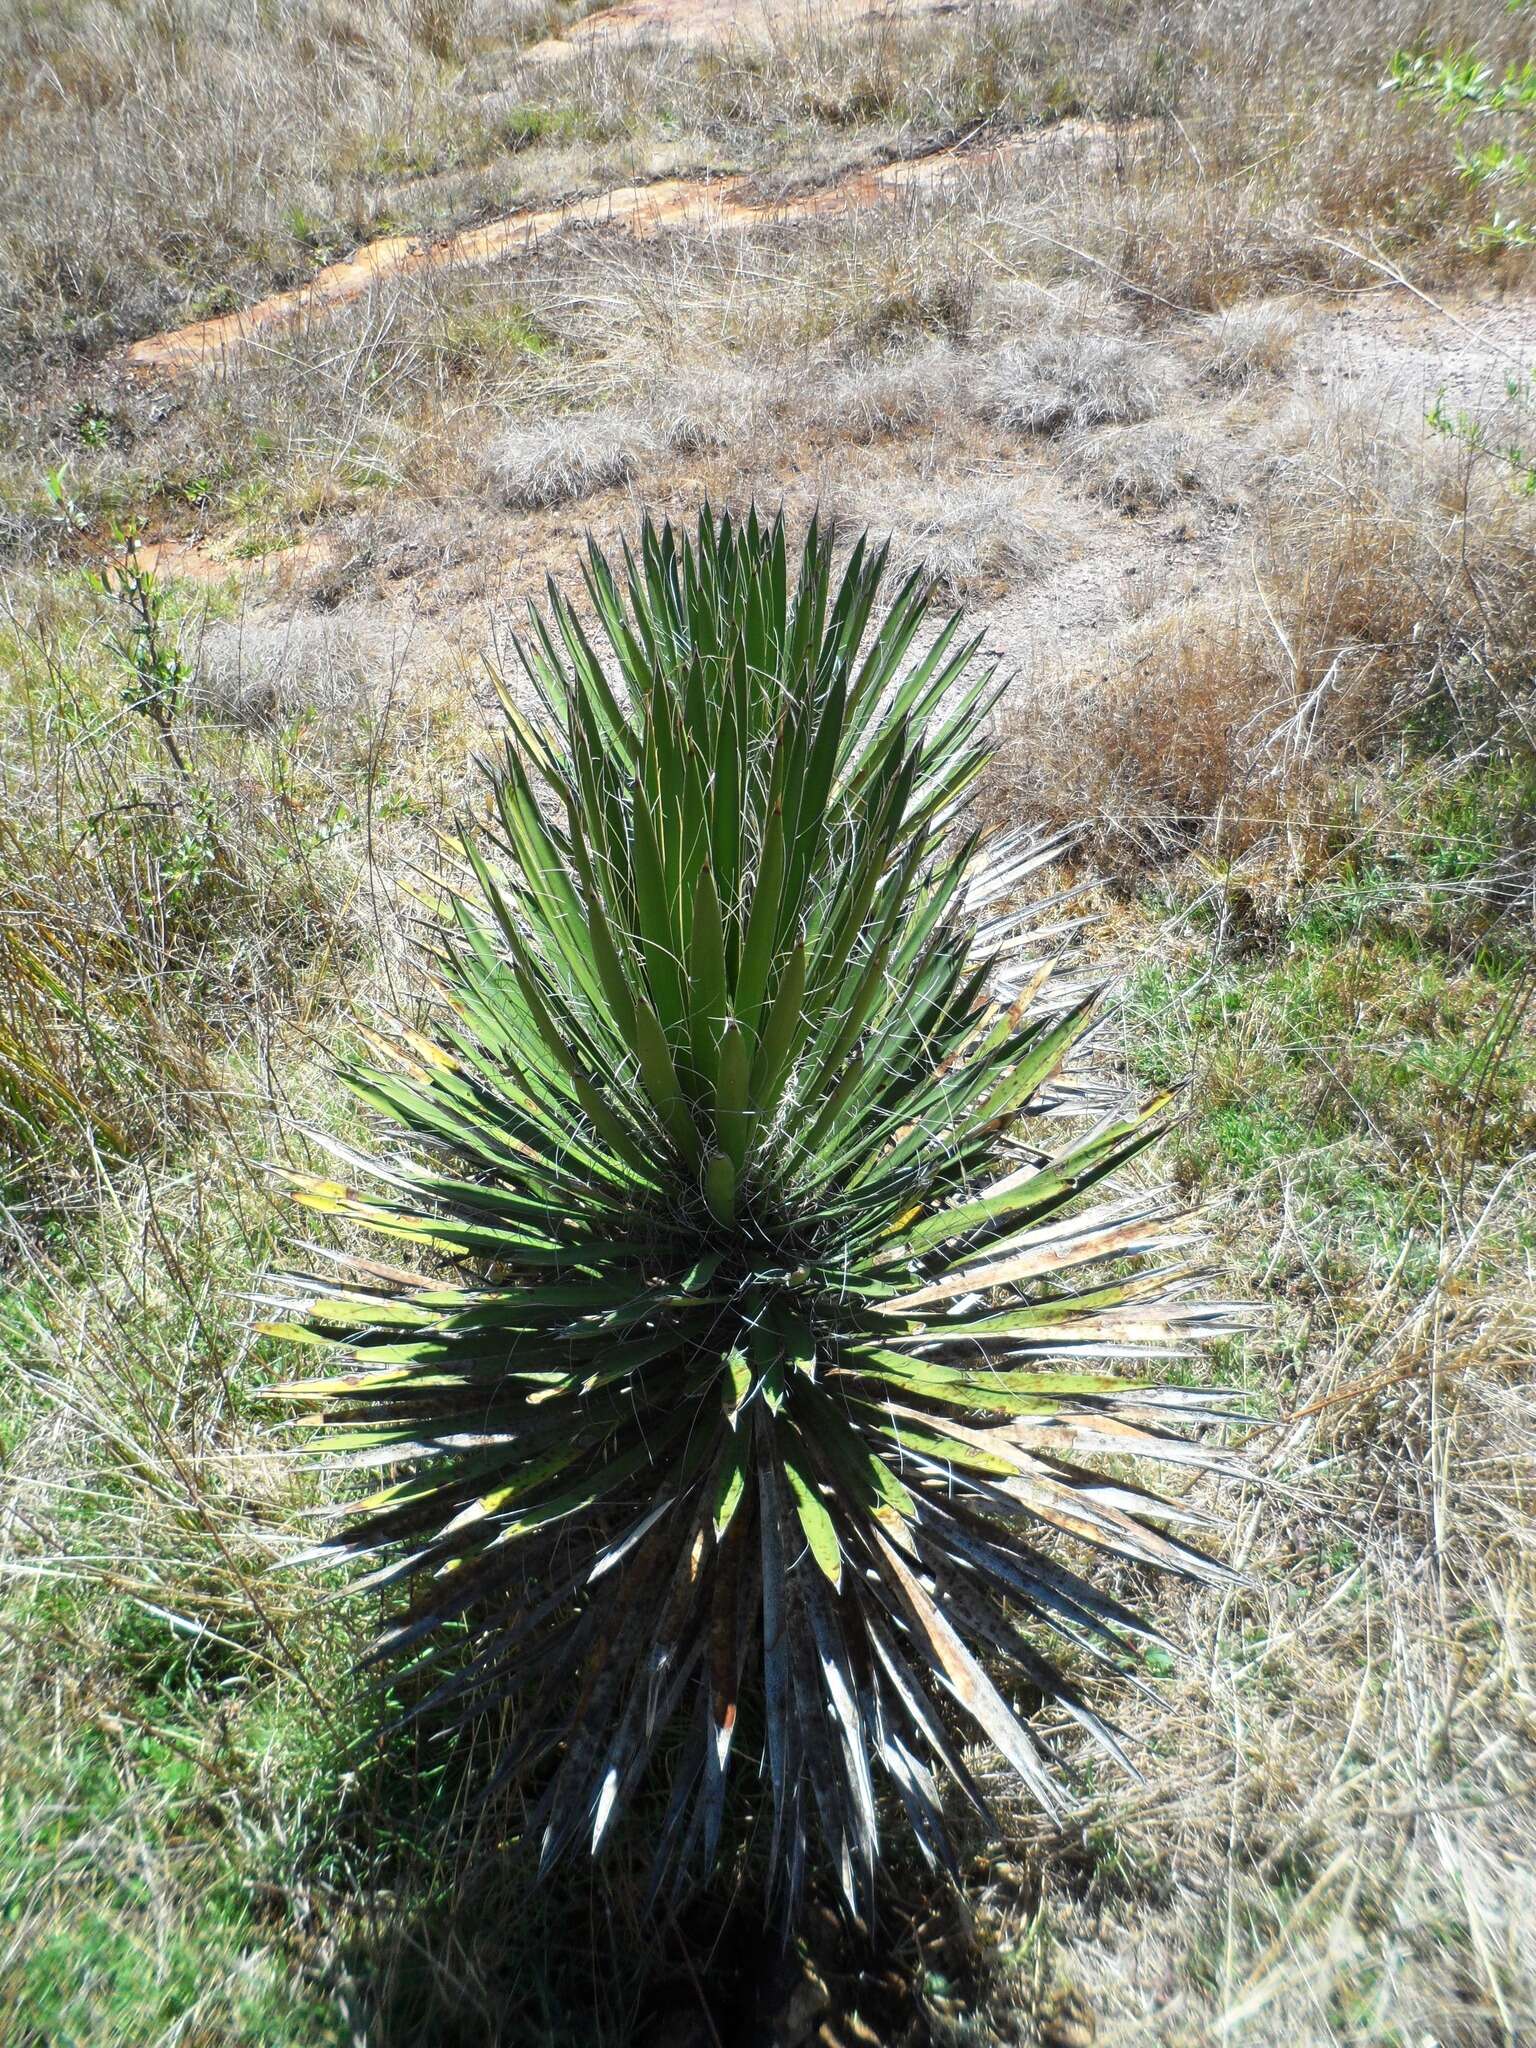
530 468
1364 640
1478 101
1286 709
1500 434
1141 468
1073 379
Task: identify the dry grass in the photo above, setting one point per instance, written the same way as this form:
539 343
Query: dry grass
531 468
334 125
1141 468
331 124
1249 344
1332 1848
699 410
978 539
1392 577
1074 379
268 674
889 396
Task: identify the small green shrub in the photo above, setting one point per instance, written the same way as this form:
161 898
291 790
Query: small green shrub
1468 93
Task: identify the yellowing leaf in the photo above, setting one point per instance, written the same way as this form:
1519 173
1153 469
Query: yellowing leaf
820 1531
732 1484
737 1386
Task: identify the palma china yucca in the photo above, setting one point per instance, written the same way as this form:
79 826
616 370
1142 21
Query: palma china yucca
760 1394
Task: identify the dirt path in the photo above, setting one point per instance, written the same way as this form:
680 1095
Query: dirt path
712 21
208 560
641 210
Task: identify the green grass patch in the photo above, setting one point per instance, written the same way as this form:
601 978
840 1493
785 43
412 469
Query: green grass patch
1374 1057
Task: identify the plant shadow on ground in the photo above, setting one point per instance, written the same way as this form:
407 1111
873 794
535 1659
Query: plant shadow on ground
448 1938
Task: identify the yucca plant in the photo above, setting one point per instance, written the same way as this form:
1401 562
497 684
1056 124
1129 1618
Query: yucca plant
744 1408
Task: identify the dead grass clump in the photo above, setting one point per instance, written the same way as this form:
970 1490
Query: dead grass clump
698 408
889 396
559 461
1141 468
256 674
976 538
936 295
1060 381
1156 750
1388 545
1249 343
